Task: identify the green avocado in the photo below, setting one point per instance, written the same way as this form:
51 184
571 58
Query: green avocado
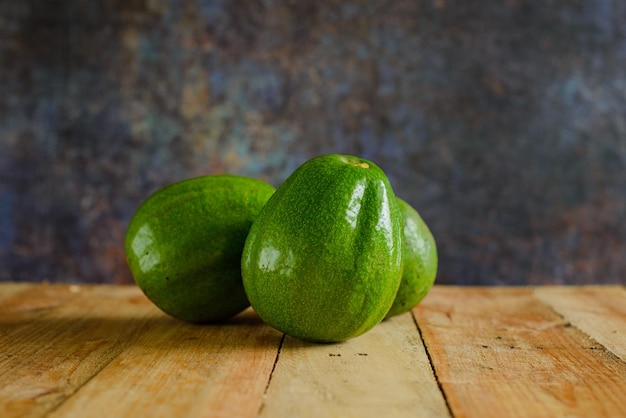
419 261
184 243
323 260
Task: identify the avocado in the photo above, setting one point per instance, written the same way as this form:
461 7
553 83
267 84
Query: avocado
184 243
323 260
419 261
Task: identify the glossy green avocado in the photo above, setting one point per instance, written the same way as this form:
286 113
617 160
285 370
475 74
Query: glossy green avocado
323 260
184 244
419 261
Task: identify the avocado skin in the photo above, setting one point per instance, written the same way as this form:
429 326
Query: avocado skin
419 260
323 260
184 243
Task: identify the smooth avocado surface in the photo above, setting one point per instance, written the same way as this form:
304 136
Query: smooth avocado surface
184 244
323 260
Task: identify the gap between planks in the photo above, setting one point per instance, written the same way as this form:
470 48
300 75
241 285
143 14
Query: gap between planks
69 351
432 365
384 372
512 352
177 369
269 380
600 312
76 351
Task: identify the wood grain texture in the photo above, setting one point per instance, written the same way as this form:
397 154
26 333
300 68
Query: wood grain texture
55 338
598 312
11 289
383 373
501 352
89 351
177 369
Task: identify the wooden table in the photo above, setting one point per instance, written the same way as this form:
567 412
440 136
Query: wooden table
106 351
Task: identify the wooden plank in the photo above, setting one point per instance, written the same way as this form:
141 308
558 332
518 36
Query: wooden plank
176 369
599 311
9 289
81 351
383 373
53 338
501 352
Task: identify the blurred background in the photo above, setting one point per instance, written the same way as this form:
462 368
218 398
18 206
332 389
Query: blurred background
502 122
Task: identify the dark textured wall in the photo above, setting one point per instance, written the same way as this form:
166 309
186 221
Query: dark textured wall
502 122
